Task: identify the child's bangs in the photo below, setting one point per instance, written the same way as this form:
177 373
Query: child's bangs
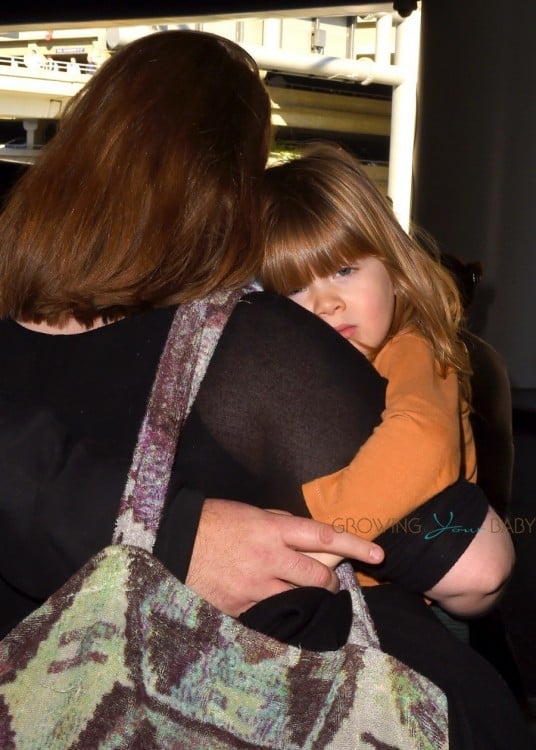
295 263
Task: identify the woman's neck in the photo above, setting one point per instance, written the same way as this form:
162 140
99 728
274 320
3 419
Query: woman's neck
71 327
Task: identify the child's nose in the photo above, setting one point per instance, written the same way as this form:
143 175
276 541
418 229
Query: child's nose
327 303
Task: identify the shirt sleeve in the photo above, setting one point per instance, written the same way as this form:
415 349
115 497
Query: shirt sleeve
178 529
412 454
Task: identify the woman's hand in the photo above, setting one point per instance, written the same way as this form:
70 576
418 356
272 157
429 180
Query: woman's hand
244 554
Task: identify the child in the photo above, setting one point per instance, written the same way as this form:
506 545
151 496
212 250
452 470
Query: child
334 246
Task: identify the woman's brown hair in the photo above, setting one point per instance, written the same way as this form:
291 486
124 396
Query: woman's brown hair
148 193
321 212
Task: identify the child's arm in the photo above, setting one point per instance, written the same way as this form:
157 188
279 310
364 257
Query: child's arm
477 579
413 454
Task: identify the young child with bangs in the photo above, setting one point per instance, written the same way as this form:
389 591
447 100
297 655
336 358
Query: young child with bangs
335 247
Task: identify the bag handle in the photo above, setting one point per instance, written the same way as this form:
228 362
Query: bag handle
192 338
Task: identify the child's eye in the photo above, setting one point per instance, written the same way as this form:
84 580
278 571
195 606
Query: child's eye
346 271
294 292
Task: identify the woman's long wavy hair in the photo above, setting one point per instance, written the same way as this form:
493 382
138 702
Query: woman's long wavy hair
321 212
148 193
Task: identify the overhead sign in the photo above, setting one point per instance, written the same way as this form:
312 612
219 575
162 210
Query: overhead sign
69 50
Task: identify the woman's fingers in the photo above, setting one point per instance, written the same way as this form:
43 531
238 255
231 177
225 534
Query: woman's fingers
307 535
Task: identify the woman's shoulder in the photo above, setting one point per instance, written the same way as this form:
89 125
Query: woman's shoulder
281 320
281 325
273 338
273 320
262 306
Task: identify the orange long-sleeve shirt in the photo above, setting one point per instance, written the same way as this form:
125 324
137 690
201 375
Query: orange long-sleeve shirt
422 445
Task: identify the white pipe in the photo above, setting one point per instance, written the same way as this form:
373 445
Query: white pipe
364 70
30 126
403 115
271 33
384 25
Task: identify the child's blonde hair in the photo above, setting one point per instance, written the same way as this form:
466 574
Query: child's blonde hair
321 212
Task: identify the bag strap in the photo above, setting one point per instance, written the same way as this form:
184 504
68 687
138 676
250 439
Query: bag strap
192 338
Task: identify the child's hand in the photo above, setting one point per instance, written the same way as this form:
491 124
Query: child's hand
325 558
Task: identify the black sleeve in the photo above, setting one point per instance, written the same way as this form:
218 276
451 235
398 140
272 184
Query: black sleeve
423 546
285 399
178 528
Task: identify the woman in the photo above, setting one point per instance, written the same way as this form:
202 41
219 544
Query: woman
146 198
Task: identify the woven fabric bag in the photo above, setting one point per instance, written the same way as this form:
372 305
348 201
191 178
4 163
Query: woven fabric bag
125 656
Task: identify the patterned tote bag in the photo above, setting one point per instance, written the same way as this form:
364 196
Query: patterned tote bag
125 656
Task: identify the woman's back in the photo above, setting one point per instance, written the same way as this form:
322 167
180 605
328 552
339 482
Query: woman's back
277 406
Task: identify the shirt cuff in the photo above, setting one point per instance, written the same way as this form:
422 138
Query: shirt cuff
178 529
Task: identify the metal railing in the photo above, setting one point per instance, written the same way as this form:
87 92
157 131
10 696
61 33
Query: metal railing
30 65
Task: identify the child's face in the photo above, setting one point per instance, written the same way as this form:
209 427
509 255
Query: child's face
358 301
